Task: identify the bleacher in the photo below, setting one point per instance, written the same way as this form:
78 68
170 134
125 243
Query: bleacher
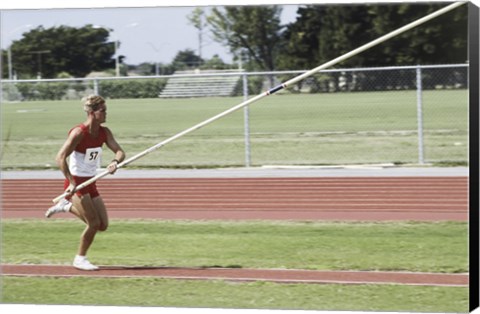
200 83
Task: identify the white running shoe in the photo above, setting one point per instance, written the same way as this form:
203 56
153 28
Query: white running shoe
61 207
82 263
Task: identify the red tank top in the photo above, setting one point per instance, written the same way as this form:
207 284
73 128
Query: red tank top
88 141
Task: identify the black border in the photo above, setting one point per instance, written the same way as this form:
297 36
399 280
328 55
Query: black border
474 235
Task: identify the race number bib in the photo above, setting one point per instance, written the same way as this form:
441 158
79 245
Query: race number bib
93 155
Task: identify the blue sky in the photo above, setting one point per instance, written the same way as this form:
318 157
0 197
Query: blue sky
146 34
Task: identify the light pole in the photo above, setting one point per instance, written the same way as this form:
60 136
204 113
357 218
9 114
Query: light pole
157 72
9 50
117 56
117 61
9 55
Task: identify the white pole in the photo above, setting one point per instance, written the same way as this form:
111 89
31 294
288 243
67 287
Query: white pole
9 51
246 122
117 60
10 69
273 90
95 87
420 116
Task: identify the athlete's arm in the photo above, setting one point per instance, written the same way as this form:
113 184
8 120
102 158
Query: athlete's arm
117 149
68 147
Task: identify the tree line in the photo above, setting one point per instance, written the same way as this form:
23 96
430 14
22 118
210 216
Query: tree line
257 39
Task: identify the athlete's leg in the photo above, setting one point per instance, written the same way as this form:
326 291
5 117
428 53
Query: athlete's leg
101 212
76 212
84 207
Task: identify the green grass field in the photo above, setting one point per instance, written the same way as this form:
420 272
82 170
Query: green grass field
221 294
312 129
403 246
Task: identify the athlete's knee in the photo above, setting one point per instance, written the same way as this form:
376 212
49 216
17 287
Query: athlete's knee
103 227
94 225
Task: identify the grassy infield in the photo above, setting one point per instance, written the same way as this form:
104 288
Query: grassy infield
285 129
428 247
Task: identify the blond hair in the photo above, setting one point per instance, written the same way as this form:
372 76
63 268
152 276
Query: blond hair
92 102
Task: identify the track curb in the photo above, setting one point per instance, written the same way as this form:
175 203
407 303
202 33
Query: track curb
291 276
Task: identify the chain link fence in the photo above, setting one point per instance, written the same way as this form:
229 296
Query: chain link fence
405 115
402 115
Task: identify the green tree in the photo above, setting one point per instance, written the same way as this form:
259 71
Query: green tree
76 51
442 40
187 59
322 33
253 30
215 63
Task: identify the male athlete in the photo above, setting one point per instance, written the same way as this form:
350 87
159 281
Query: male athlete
84 147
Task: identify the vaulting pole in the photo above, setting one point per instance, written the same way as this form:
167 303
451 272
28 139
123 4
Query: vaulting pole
274 90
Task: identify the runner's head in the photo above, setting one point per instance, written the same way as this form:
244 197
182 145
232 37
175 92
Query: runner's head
92 103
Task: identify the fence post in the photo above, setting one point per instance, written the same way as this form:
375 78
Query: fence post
246 119
420 116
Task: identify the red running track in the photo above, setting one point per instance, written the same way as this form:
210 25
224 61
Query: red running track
326 198
367 198
246 275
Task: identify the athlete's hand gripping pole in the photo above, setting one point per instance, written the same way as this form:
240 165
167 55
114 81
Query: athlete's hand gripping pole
275 89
